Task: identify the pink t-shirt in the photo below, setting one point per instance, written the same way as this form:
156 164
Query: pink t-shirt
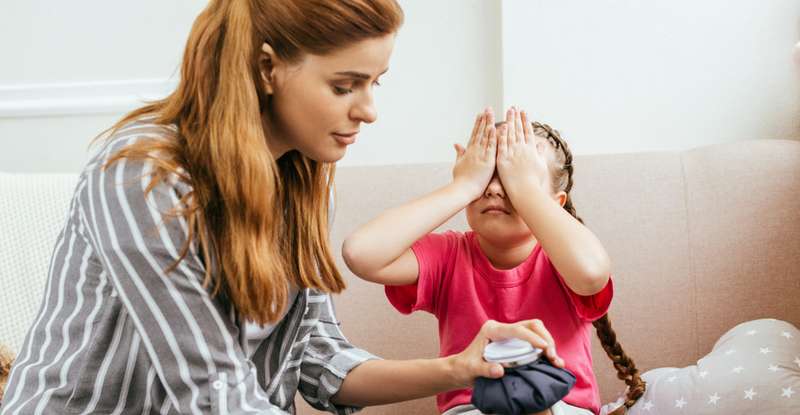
459 285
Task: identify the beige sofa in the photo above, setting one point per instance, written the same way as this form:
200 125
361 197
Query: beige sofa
700 240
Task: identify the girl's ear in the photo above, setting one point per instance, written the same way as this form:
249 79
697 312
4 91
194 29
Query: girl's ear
561 198
267 64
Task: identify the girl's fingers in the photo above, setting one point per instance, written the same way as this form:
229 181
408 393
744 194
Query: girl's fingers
530 136
522 129
489 127
481 128
502 140
511 125
475 127
490 151
459 150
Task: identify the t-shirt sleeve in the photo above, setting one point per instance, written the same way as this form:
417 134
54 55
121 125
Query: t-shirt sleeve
435 253
589 307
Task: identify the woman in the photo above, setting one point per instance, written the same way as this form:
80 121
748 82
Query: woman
193 274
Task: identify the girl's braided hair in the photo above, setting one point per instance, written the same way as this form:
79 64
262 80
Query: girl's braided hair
562 180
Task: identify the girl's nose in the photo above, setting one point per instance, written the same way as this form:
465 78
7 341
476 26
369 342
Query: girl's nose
495 188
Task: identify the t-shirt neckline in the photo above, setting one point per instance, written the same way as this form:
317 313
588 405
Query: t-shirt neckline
501 277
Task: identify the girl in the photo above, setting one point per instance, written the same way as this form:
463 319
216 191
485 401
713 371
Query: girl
528 255
193 273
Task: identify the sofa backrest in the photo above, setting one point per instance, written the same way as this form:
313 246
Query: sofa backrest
700 240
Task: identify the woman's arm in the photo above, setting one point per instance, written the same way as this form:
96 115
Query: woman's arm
574 250
412 379
379 251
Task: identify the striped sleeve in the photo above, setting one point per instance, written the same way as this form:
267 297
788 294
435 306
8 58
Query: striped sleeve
327 360
186 334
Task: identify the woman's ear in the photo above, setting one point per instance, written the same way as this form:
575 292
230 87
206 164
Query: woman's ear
561 198
267 64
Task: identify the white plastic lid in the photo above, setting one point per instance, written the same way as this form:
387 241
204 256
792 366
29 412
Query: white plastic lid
511 351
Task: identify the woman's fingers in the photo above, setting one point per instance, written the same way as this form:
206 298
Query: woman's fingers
537 326
532 331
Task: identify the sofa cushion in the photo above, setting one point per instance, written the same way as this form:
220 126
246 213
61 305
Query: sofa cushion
33 208
753 368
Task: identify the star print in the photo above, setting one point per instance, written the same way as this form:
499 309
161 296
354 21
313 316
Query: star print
786 334
737 369
703 374
788 392
773 368
764 350
680 403
712 399
751 332
730 352
648 405
749 394
671 379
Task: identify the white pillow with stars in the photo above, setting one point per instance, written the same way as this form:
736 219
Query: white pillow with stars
753 368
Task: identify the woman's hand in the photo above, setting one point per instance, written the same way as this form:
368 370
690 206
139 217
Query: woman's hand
475 164
469 364
521 160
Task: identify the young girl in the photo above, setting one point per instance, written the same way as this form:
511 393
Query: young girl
528 256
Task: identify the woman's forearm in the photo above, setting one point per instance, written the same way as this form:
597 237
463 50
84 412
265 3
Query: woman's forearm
380 382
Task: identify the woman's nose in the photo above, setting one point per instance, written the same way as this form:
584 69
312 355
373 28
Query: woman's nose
364 110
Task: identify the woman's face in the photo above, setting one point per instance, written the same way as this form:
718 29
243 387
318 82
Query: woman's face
319 103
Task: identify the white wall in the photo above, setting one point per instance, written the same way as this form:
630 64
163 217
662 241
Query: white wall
631 75
612 75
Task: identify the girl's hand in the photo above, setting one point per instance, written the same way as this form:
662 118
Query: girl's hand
475 164
521 158
469 364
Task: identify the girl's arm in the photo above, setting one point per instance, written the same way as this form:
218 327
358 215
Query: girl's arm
379 251
365 385
574 250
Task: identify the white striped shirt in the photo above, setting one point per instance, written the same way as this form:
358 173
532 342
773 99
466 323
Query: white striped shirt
115 334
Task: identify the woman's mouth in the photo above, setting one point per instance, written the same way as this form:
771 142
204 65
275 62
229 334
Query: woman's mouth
345 138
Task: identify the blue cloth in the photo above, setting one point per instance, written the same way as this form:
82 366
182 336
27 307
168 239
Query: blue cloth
526 389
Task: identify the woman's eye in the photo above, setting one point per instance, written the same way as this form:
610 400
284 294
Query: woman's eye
376 83
341 90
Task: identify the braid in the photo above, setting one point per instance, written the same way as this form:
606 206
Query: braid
562 180
626 369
